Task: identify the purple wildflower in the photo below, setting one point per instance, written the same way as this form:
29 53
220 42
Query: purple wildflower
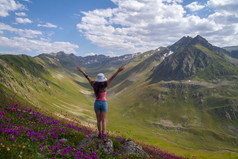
34 139
7 119
2 113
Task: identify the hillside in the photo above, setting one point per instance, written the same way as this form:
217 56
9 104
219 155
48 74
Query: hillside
27 132
187 95
194 58
182 98
45 84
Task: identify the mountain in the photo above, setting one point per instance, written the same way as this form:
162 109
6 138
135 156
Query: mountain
232 51
185 94
93 63
182 98
194 58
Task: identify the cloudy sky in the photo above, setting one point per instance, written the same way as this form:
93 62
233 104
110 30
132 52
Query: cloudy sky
112 27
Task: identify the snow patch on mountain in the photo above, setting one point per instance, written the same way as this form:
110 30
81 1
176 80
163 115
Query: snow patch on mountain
167 54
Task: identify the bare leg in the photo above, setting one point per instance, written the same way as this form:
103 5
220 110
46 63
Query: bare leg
99 119
104 121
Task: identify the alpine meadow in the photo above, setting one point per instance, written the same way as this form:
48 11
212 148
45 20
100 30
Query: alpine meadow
181 99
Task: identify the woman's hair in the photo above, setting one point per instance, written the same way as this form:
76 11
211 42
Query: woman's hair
99 87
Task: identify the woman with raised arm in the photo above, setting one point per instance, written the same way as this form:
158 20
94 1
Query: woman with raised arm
100 106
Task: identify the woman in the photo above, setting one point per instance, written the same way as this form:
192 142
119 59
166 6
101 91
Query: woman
100 106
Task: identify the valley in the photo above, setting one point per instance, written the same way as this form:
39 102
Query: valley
182 98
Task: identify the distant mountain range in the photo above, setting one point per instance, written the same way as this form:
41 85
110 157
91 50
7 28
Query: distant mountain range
97 62
232 51
186 92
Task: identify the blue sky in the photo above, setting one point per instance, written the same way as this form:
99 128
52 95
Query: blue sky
112 27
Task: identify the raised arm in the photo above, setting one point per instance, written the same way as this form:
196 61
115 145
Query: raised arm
88 78
115 74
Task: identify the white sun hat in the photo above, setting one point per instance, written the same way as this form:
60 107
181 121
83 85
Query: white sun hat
101 78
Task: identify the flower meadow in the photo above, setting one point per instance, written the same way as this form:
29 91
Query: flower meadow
27 133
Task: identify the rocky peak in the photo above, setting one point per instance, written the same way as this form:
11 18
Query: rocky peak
191 56
184 41
201 41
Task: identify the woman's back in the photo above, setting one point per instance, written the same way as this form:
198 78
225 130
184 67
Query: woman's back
102 96
100 90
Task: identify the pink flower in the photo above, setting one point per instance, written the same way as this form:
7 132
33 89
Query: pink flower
14 109
88 149
73 149
87 136
53 153
16 105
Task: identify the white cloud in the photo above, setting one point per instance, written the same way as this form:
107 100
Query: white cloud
227 5
47 25
23 20
194 6
23 45
20 14
173 1
27 43
226 12
112 54
141 25
132 26
91 54
28 33
7 6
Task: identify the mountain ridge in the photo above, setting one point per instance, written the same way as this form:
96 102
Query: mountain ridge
197 109
232 51
190 56
95 62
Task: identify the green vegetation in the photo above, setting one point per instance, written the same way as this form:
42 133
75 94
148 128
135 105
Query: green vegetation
193 112
27 133
178 117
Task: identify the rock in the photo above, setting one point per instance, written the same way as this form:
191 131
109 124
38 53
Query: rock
106 145
201 101
131 148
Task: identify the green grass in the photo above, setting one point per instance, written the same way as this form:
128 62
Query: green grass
29 134
191 128
181 118
54 91
220 69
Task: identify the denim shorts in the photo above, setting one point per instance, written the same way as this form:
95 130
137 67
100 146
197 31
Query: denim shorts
100 105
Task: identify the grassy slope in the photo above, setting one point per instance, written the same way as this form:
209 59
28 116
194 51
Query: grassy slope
191 114
220 68
135 111
50 89
29 133
139 120
152 121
